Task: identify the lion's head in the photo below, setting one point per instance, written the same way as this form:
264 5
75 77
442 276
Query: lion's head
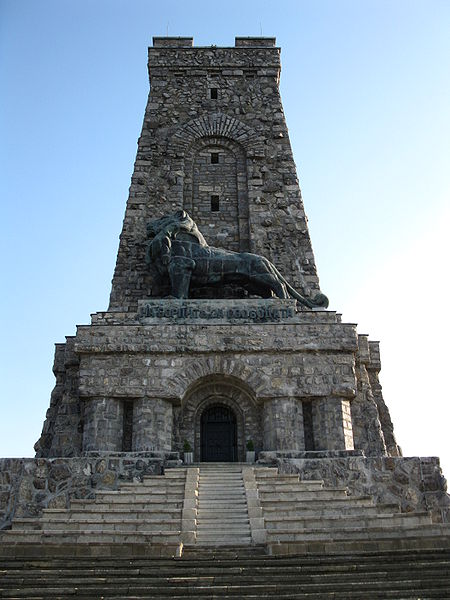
180 224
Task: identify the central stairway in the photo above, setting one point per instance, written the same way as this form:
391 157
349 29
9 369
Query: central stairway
222 512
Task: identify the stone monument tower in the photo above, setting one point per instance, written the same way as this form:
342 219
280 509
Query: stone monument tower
216 332
218 343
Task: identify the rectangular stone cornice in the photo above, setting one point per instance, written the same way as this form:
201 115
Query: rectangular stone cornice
253 338
213 58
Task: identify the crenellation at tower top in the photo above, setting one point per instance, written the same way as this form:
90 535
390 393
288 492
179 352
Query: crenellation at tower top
188 42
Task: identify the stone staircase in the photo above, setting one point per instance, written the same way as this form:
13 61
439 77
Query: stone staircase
231 573
145 515
222 514
226 531
305 516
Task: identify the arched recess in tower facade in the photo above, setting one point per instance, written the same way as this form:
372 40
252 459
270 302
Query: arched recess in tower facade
236 145
215 191
226 404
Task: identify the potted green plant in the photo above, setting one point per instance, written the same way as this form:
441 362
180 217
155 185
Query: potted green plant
250 454
188 454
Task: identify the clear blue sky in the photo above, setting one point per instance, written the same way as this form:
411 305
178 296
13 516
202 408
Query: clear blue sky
366 91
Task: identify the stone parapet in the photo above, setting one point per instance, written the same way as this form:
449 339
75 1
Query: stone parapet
223 59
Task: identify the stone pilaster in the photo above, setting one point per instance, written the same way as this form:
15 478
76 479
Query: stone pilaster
332 424
283 424
103 428
152 425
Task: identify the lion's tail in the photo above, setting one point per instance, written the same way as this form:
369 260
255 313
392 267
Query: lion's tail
319 300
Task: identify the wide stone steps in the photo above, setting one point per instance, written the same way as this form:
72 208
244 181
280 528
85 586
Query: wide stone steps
148 513
232 574
226 506
305 516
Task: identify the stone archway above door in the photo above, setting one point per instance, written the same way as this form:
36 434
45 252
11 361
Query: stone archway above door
233 395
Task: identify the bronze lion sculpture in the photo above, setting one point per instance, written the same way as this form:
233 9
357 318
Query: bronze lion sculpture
177 248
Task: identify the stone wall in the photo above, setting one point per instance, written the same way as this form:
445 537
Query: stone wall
416 484
28 485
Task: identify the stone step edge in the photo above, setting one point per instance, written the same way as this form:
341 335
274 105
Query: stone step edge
406 516
131 510
67 532
84 550
397 577
433 530
343 500
312 558
81 521
324 512
329 548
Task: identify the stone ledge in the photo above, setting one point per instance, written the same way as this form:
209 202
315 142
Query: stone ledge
271 457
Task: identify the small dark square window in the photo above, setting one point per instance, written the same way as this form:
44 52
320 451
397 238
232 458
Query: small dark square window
215 204
214 158
213 93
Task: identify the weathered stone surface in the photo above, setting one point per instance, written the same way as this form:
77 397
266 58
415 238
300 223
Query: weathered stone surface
25 495
416 484
283 424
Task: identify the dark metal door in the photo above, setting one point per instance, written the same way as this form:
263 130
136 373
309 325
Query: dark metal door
218 435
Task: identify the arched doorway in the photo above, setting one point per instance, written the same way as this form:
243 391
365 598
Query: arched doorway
218 439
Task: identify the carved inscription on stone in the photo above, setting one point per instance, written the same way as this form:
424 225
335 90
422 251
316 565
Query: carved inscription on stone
224 311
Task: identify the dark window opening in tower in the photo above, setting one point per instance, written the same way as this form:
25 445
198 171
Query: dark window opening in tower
215 204
213 93
214 158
